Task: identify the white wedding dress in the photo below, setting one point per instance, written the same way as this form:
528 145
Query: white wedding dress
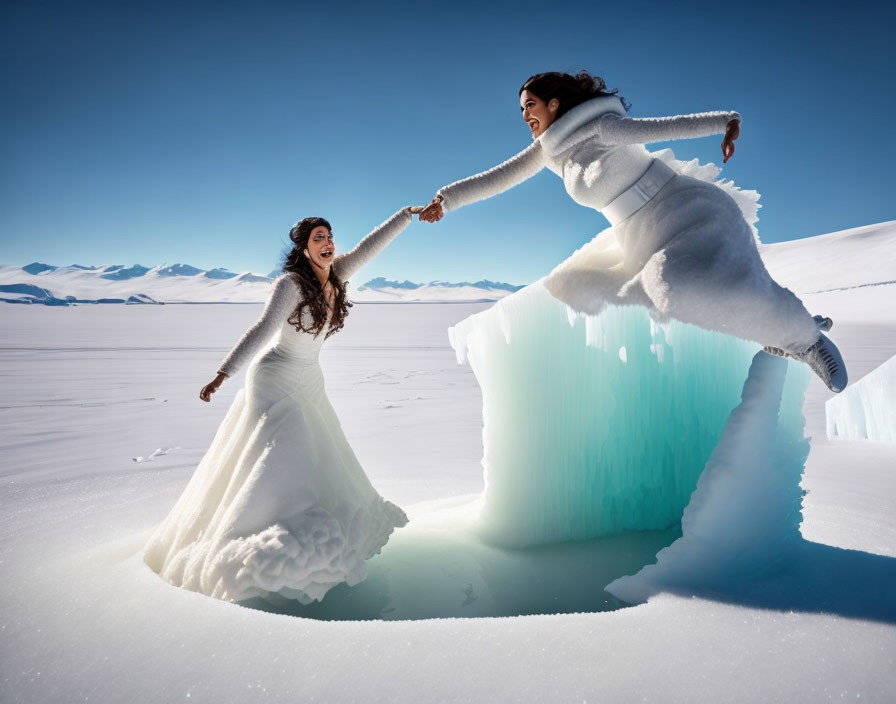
279 503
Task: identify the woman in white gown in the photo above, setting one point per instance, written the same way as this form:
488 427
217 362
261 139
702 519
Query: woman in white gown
279 504
680 246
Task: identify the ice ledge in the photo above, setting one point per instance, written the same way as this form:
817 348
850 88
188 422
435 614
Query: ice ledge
595 425
866 410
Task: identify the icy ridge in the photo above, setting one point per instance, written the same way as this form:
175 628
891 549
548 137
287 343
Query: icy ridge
593 425
866 410
744 516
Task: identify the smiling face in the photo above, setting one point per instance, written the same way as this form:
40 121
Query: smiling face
320 247
536 113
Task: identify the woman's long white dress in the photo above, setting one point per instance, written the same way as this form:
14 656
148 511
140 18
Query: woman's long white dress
690 253
279 502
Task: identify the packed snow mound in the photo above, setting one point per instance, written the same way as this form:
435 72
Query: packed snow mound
744 517
29 293
140 298
866 410
594 425
861 256
25 289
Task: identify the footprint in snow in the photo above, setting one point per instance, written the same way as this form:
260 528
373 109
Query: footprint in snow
377 378
397 402
158 452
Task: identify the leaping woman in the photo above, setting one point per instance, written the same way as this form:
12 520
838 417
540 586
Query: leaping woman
680 245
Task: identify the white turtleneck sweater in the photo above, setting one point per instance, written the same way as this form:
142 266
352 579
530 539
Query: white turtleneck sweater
594 148
286 293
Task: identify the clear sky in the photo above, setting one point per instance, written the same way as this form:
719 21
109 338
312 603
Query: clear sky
199 133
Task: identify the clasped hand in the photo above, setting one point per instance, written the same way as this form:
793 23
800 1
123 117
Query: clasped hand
433 212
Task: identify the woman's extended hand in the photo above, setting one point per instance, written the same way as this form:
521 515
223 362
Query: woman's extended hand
433 212
211 387
732 132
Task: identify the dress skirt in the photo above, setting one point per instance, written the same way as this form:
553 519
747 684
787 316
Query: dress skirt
688 254
279 503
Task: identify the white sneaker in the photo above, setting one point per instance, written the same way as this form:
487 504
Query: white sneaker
825 360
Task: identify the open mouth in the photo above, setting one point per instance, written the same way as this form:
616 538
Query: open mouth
326 254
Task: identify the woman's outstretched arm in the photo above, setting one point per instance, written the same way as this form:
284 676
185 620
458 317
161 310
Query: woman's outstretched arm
489 183
615 129
372 244
282 301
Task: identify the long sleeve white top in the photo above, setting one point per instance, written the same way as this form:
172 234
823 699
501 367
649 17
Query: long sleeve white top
286 294
597 150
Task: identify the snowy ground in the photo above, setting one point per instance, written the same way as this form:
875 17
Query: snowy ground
87 389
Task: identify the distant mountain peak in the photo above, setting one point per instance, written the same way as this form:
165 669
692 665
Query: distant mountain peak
119 273
219 273
35 268
249 277
179 270
380 283
183 283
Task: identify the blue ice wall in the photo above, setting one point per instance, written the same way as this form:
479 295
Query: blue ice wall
594 425
866 410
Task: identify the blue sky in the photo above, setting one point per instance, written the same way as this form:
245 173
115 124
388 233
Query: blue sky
198 133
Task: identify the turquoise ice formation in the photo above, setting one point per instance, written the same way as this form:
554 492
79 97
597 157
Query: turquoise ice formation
865 410
594 425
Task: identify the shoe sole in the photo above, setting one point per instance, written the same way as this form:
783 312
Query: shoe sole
838 358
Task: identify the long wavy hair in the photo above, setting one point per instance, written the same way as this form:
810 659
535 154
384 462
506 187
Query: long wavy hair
297 265
569 90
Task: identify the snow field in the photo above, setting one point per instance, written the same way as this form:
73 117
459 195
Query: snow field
85 390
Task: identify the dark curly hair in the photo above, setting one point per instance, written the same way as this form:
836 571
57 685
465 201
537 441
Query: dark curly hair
297 265
568 89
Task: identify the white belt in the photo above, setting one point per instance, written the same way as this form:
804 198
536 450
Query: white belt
631 200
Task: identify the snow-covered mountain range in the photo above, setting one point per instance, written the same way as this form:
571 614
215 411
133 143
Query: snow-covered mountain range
182 283
859 257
